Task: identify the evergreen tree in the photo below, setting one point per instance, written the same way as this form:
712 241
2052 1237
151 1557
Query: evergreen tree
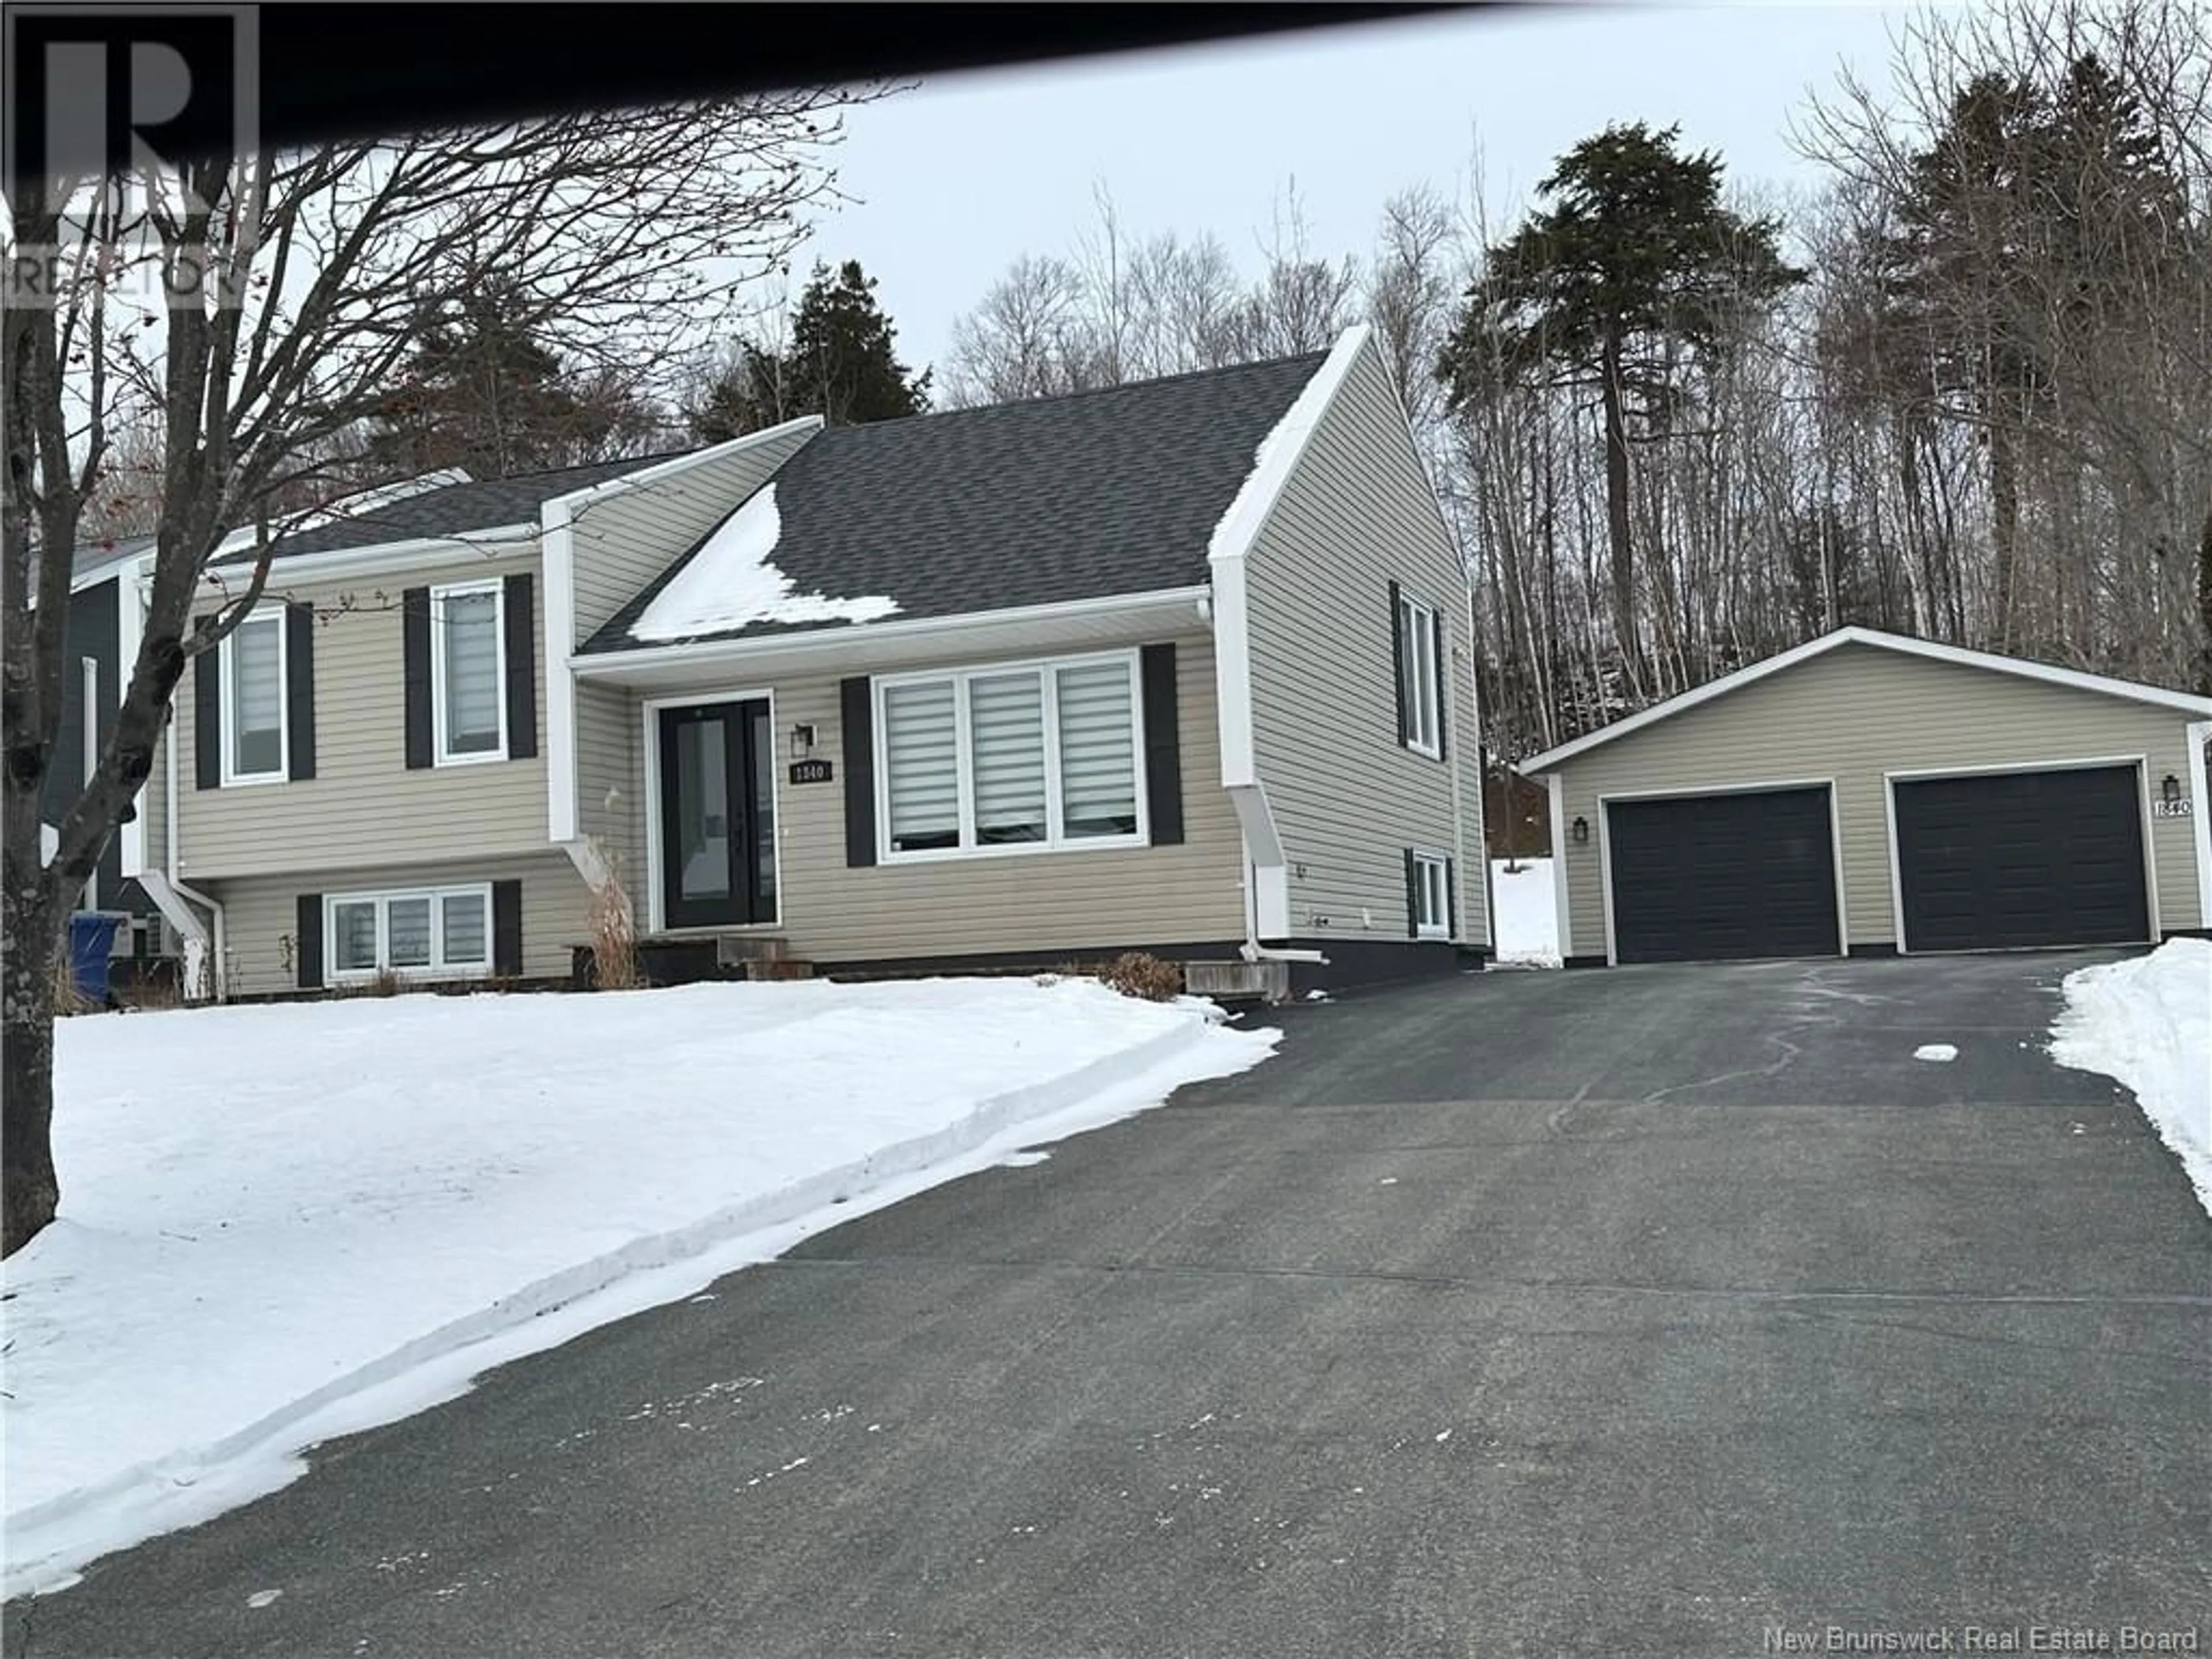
483 393
841 363
1634 265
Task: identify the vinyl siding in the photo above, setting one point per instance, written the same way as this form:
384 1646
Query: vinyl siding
1852 714
364 807
261 914
1057 905
610 772
623 542
1357 514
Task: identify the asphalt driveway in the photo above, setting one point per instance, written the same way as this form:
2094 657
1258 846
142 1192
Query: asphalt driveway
1654 1312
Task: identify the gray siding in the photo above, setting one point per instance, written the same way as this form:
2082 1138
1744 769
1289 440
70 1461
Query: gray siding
1348 798
261 914
364 808
1852 714
1055 905
622 543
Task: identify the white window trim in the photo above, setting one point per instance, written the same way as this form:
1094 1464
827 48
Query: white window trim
1416 615
1054 840
1424 860
227 674
383 899
442 755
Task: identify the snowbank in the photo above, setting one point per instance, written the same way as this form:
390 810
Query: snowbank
285 1222
731 581
1527 925
2147 1023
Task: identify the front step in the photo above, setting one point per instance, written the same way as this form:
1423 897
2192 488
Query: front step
778 968
734 949
1238 981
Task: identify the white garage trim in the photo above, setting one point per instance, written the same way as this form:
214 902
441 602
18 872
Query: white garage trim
1563 909
1891 779
1763 787
2197 735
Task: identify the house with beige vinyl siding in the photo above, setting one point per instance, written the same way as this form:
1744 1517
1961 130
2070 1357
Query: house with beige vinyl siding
1182 666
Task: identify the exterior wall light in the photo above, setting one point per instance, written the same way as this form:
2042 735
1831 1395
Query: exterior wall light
1582 829
2169 788
802 742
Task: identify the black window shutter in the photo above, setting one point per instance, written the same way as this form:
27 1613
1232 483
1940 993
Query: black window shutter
1398 661
207 714
1163 746
521 667
506 928
856 715
1443 676
1451 897
307 954
299 688
1412 896
415 649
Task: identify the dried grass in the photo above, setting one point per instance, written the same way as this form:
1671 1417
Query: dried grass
613 922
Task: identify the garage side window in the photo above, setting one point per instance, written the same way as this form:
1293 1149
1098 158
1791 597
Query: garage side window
1418 630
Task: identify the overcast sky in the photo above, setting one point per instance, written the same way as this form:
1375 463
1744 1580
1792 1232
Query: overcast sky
960 177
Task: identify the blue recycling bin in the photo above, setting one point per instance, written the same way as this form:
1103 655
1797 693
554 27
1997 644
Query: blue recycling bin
92 940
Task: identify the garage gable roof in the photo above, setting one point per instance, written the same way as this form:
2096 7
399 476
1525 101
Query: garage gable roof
2074 679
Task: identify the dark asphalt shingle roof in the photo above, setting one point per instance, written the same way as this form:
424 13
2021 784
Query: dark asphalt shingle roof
451 510
1095 493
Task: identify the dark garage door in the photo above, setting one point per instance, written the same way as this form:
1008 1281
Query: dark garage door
1710 877
2015 859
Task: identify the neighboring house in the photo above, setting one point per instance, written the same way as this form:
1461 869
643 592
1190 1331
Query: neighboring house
1866 794
1182 666
101 645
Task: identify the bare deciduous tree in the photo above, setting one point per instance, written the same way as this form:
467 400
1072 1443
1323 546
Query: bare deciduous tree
264 305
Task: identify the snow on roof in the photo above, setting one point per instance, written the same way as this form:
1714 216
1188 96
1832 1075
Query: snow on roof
1278 451
731 582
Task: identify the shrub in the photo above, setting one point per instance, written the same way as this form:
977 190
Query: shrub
68 1000
1135 974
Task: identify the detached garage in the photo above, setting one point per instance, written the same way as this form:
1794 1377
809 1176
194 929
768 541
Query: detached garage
1865 795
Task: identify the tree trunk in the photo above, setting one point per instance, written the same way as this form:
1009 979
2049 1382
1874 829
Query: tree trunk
2004 528
1616 509
30 918
2204 613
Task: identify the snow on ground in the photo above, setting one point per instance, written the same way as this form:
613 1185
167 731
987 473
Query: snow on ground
732 581
1939 1052
2147 1023
1527 925
288 1222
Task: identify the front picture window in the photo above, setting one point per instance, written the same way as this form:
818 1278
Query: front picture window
1036 756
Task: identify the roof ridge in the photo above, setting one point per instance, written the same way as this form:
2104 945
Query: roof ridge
1315 358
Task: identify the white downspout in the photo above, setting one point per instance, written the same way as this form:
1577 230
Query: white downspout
172 897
